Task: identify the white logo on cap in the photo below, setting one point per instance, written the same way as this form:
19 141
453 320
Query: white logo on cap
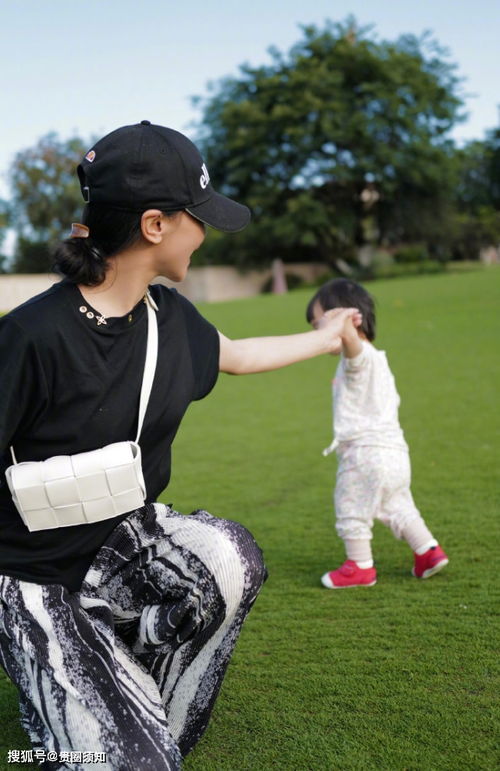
205 177
90 156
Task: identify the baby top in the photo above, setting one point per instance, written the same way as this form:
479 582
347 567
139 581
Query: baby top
366 402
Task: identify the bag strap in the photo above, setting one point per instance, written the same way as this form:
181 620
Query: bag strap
149 365
151 359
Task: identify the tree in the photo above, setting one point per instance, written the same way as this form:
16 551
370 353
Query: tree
298 140
494 142
46 199
477 197
479 175
4 223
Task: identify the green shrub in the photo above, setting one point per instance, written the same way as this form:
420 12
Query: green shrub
411 253
398 270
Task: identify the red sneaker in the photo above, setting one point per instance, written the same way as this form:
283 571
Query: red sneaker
432 561
349 574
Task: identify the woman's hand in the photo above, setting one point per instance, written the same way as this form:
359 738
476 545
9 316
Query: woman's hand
347 318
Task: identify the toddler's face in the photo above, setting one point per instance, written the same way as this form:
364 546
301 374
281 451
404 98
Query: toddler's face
318 319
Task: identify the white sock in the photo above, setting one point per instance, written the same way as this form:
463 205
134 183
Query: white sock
359 550
426 546
418 536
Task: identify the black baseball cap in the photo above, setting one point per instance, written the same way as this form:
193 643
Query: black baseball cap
145 166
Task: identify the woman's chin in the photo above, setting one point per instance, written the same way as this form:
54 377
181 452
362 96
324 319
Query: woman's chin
176 275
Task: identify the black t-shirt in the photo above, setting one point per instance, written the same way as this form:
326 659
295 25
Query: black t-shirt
69 385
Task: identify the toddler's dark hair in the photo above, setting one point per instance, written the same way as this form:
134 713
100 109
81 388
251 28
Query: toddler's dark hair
344 293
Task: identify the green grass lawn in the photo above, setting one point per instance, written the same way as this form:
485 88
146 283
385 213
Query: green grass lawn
400 676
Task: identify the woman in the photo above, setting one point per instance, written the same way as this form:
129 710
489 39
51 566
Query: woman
117 633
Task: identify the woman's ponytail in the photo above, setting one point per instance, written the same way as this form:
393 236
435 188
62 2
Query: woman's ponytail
80 261
83 258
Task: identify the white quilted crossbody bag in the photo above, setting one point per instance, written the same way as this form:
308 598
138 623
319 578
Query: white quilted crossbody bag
90 486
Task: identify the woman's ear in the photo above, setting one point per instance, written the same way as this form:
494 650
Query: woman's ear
151 226
155 225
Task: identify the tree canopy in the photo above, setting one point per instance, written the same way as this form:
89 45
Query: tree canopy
300 139
340 146
4 222
46 198
477 196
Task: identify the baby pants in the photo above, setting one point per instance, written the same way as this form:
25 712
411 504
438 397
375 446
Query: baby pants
373 483
129 666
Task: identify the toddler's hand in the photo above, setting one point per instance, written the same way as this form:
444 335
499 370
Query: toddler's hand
333 324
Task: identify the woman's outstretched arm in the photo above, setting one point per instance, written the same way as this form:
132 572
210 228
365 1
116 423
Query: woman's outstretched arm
261 354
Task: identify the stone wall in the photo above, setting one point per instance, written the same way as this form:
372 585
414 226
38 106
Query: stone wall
16 289
205 284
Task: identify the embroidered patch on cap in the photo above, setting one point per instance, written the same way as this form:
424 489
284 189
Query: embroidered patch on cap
205 177
90 156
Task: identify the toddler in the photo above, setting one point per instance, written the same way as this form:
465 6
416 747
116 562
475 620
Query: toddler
373 477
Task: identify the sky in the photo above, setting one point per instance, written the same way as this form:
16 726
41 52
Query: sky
86 68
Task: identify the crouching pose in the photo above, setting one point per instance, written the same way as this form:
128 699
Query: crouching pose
118 615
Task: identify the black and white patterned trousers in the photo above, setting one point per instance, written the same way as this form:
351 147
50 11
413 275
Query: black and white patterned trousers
130 665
